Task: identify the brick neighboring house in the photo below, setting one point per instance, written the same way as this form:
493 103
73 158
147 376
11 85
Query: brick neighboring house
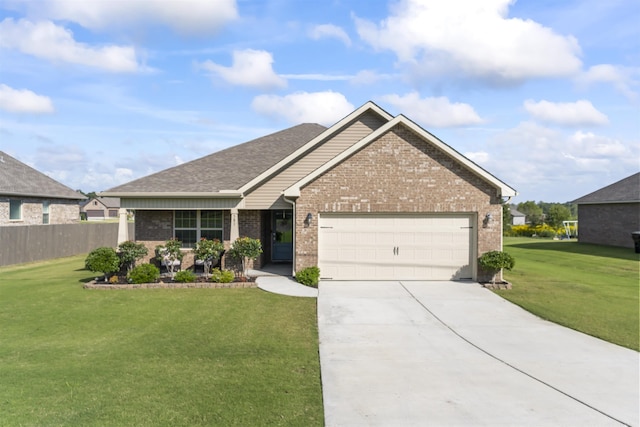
373 197
29 197
609 215
100 208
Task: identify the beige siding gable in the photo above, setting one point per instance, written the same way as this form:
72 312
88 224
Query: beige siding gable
269 194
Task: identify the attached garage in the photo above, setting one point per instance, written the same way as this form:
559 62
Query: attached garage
396 246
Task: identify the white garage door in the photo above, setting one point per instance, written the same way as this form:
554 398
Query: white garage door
386 247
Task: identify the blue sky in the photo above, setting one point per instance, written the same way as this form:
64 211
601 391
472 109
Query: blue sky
543 94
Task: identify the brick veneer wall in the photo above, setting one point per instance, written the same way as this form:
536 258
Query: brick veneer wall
60 211
398 173
154 228
608 224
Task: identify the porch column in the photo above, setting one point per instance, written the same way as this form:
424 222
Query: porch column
235 229
123 227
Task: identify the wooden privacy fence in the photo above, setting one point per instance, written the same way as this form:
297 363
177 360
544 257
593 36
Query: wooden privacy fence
28 243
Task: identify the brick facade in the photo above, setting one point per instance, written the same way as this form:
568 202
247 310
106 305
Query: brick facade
60 211
608 224
154 228
398 173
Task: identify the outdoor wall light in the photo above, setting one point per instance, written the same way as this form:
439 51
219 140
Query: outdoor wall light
307 220
488 217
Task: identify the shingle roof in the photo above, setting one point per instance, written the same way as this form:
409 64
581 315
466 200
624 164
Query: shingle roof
108 202
18 179
228 169
625 190
515 212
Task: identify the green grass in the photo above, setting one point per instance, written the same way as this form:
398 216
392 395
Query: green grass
590 288
179 357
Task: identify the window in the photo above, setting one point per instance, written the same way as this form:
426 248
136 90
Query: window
45 212
15 210
191 226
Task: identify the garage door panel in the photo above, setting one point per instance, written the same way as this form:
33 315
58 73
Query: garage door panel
384 247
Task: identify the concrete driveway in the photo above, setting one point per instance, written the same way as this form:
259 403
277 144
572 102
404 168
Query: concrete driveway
454 353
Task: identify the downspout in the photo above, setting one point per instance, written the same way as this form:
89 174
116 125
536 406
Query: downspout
293 261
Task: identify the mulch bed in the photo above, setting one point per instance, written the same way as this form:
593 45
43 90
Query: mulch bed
497 285
167 283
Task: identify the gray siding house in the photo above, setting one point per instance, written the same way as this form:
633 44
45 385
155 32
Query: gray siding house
373 197
29 197
609 215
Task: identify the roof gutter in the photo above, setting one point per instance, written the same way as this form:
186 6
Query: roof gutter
224 194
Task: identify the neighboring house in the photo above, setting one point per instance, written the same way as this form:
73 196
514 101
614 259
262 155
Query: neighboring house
517 217
100 208
608 216
373 197
29 197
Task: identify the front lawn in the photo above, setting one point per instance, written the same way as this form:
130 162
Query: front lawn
593 289
179 357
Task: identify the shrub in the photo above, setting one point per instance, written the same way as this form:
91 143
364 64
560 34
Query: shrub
224 276
144 273
185 276
102 260
130 252
496 261
309 276
246 249
208 251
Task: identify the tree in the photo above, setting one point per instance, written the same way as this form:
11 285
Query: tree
507 218
246 249
532 211
169 253
208 251
130 252
102 260
557 214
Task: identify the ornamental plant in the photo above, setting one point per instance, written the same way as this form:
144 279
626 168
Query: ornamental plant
495 261
209 252
130 252
309 276
222 276
169 253
246 249
144 273
185 276
102 260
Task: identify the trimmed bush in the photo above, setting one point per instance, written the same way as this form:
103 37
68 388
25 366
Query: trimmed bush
496 261
144 273
224 276
245 249
309 276
185 276
102 260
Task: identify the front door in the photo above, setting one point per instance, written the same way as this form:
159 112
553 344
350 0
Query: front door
282 235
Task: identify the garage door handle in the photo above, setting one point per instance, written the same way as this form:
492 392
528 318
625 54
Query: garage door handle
396 250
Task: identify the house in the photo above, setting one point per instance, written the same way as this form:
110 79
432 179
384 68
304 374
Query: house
517 217
372 197
29 197
609 215
100 208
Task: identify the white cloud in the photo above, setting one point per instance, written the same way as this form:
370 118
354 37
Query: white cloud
579 113
434 112
471 39
558 166
250 68
480 157
622 78
329 31
23 101
369 77
49 41
325 108
189 17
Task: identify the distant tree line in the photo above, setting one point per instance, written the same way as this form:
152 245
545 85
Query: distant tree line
552 214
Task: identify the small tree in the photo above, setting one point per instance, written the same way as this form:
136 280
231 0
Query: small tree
102 260
130 252
209 252
246 249
169 253
495 261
